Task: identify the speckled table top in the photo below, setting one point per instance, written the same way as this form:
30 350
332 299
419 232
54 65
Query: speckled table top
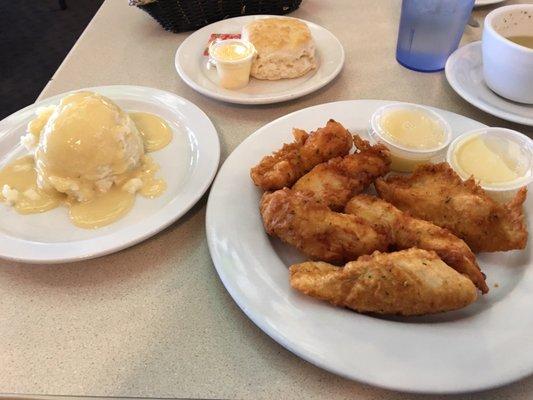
154 320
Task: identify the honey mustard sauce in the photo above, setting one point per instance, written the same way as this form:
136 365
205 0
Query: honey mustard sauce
413 129
486 161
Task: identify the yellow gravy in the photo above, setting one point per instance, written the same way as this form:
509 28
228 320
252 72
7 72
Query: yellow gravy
155 131
18 181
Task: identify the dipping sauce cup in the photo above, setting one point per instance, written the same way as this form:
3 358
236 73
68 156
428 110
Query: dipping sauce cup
233 59
499 159
414 134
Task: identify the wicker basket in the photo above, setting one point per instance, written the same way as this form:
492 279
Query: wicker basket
188 15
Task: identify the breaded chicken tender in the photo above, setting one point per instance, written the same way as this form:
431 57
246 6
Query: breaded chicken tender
408 282
293 160
317 231
406 232
435 193
333 183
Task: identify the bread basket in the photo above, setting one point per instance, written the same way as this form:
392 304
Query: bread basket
187 15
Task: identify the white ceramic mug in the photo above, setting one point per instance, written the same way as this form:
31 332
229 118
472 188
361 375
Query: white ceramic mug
507 66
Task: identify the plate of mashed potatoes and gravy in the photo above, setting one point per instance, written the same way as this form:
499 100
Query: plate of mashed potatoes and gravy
92 171
259 59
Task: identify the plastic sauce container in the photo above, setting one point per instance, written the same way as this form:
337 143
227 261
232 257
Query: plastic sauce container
233 59
500 159
413 134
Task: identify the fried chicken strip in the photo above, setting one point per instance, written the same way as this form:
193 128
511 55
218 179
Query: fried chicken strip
292 161
333 183
408 282
434 192
317 231
407 232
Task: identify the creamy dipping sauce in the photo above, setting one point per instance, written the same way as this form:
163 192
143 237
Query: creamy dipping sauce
155 131
19 188
489 159
413 129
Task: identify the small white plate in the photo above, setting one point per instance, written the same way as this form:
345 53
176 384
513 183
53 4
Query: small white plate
480 3
191 65
464 71
188 165
484 345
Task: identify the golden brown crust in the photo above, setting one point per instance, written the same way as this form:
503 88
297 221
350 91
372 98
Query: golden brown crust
435 193
408 282
317 231
278 34
407 232
334 182
292 161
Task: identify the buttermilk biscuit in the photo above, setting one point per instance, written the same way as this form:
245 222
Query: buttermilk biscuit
285 48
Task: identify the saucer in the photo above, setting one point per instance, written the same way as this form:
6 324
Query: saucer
464 71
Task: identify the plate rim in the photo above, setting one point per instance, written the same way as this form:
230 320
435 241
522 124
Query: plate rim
278 337
266 99
458 88
211 165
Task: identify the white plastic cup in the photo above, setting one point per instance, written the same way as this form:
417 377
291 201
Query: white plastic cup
522 154
405 159
233 74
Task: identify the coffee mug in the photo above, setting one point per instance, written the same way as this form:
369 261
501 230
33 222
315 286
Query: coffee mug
508 66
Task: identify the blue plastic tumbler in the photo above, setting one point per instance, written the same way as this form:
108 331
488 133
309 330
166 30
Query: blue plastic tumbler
430 30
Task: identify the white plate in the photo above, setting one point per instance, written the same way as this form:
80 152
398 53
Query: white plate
464 71
485 345
191 66
479 3
188 165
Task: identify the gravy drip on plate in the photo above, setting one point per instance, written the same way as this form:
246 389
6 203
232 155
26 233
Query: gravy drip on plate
154 130
18 186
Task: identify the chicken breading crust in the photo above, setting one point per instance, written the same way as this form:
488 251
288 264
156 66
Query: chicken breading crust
317 231
293 160
408 282
435 193
407 232
334 182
